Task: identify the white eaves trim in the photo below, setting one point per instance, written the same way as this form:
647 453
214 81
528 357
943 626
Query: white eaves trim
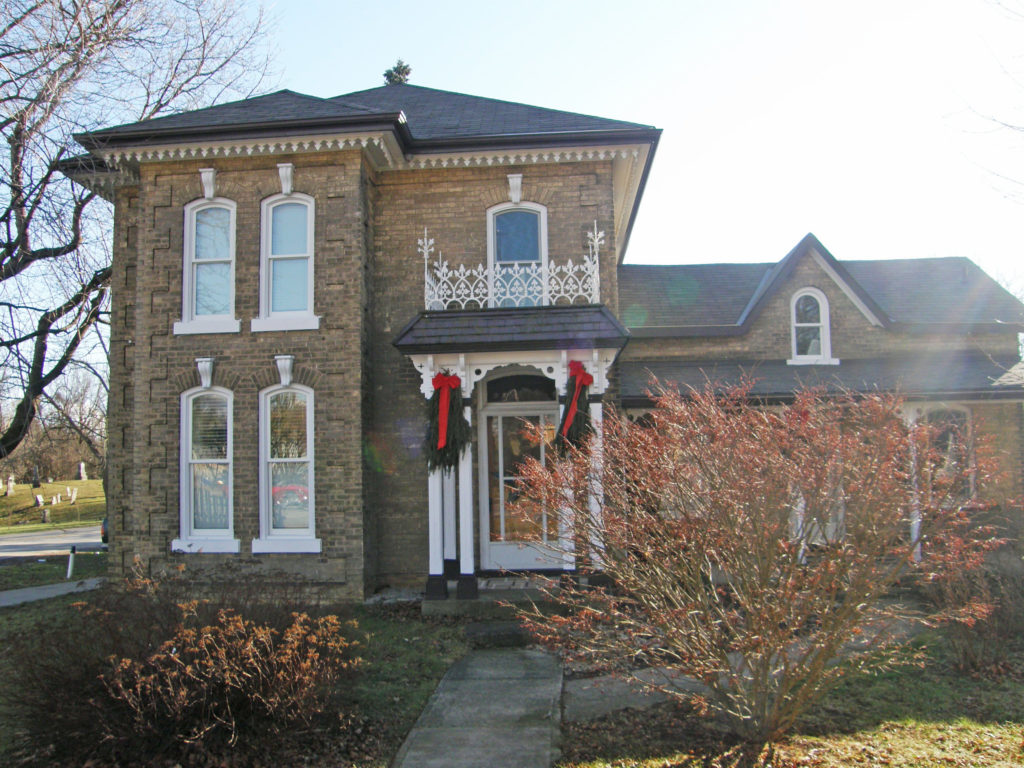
844 286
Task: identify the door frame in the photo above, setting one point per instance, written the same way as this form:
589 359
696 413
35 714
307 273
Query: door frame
545 559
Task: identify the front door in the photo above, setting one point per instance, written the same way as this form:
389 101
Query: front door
508 437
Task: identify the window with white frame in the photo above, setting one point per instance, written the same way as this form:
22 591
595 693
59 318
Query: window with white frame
517 253
286 264
205 493
208 277
286 471
951 448
811 332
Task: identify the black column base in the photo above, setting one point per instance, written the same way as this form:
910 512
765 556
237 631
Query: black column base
437 588
451 569
467 588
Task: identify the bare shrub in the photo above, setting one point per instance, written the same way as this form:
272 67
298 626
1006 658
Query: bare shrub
751 548
140 675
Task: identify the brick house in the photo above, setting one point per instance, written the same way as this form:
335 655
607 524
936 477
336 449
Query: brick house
291 273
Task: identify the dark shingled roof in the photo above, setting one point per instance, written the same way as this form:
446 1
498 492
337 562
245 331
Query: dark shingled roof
434 114
556 327
432 118
936 374
709 299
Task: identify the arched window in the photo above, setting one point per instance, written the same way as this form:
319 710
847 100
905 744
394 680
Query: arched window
286 264
517 254
208 277
206 472
811 336
287 495
951 448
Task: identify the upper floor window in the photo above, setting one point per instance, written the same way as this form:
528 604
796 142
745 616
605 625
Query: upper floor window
205 472
517 252
286 471
811 334
286 264
208 277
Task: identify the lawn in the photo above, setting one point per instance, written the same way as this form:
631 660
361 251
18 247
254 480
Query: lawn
405 657
918 716
31 573
18 512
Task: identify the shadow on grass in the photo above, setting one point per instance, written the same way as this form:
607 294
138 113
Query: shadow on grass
903 711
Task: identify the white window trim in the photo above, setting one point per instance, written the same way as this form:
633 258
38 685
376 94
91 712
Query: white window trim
203 541
285 321
825 357
292 540
191 323
492 250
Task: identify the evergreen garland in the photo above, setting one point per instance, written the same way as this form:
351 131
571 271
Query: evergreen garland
459 431
579 429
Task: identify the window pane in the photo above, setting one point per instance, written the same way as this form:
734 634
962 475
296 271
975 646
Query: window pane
290 494
808 341
288 285
807 310
517 236
519 442
213 233
213 288
210 496
209 427
288 229
288 425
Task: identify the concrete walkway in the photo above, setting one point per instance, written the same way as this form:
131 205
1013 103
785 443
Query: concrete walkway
492 709
31 594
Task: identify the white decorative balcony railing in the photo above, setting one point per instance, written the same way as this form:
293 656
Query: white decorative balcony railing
511 285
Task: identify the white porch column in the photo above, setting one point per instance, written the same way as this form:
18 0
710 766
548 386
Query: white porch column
596 482
437 587
467 588
450 539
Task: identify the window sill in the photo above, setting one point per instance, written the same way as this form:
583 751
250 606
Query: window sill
218 325
298 323
284 545
206 546
813 361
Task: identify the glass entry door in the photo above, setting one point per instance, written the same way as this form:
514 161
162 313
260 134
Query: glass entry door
509 540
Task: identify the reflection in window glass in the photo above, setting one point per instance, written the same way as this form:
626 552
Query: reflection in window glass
209 463
517 236
288 229
213 234
289 282
807 310
213 288
288 425
289 462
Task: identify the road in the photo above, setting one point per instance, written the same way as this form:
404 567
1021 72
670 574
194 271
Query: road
53 542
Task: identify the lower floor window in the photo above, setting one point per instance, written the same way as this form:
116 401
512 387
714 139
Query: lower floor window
286 471
206 476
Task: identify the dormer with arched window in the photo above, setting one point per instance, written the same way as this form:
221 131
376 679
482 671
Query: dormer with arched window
810 335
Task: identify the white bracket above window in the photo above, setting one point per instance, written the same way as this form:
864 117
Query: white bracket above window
208 176
205 366
284 368
515 187
284 170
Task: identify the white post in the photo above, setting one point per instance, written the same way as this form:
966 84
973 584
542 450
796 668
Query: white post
448 504
436 586
467 578
596 483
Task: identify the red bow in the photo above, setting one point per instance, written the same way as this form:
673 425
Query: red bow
446 384
583 379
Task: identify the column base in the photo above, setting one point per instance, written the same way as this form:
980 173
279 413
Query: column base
437 588
467 588
451 569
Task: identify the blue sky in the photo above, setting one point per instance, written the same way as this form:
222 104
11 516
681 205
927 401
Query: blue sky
871 124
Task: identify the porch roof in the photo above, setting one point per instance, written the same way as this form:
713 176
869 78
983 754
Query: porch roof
583 326
940 374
